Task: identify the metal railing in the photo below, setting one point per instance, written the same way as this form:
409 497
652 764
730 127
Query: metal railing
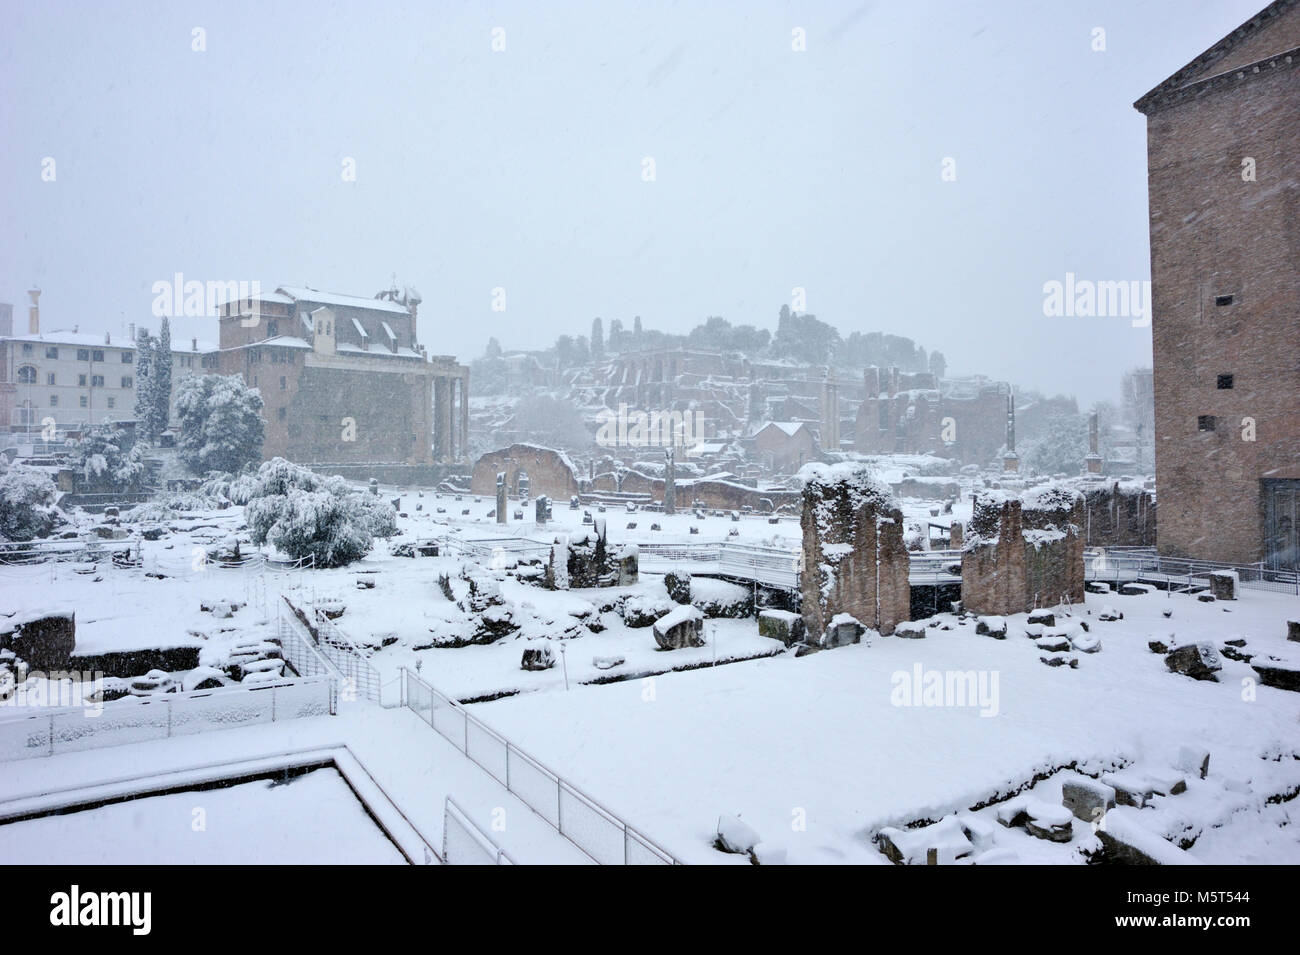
599 833
45 731
464 843
349 661
1142 565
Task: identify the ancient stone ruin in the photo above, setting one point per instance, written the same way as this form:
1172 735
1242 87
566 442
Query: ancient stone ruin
587 559
1119 514
1023 551
854 559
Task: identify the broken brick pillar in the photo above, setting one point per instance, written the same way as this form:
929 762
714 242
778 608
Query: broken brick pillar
854 559
1023 551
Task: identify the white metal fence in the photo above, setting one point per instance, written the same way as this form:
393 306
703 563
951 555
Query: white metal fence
342 654
46 731
595 830
464 843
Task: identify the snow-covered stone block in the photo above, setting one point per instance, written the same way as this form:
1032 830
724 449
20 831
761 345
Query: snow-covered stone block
682 627
1224 584
1200 661
1086 643
735 835
843 630
1087 798
912 846
538 658
781 625
993 626
1126 840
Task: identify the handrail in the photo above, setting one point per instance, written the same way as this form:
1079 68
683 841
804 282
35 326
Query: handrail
560 781
454 809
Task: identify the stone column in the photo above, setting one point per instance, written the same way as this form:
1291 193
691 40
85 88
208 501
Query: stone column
670 483
1093 460
464 413
501 497
956 535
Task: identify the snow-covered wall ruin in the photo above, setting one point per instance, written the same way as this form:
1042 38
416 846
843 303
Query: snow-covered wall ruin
1023 551
854 560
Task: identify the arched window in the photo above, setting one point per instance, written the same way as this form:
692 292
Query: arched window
27 375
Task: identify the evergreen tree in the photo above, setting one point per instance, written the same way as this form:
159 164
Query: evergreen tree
938 364
162 378
597 340
145 346
221 426
636 329
493 349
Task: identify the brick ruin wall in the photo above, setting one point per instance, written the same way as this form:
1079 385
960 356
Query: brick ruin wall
1119 515
1021 554
854 559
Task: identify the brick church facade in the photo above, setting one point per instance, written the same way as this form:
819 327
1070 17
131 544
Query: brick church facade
343 378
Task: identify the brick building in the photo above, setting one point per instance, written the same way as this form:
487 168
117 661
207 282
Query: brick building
914 413
343 378
1223 153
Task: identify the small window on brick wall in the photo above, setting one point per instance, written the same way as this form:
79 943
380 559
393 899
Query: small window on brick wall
1222 300
1205 422
1225 382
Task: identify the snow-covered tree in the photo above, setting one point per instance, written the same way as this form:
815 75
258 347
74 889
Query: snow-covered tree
221 427
938 364
305 514
27 509
146 405
1062 446
161 389
107 457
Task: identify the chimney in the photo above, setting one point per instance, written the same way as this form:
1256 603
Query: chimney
133 333
194 344
108 338
34 312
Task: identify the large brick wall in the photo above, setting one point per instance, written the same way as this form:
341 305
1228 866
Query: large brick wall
853 559
1023 552
549 472
1214 234
1119 515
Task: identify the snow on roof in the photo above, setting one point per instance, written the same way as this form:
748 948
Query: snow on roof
302 294
360 329
358 350
83 339
387 330
282 341
201 346
789 427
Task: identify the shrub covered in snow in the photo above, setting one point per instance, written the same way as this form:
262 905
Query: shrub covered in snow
221 425
306 514
107 457
27 504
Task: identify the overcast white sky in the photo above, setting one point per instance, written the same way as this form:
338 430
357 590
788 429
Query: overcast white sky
522 169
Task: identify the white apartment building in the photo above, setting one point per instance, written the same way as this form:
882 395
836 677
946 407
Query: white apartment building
73 378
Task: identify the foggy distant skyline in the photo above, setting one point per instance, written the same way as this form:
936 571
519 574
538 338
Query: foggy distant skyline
523 168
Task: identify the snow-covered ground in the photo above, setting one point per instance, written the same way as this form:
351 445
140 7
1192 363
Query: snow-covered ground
817 753
312 819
